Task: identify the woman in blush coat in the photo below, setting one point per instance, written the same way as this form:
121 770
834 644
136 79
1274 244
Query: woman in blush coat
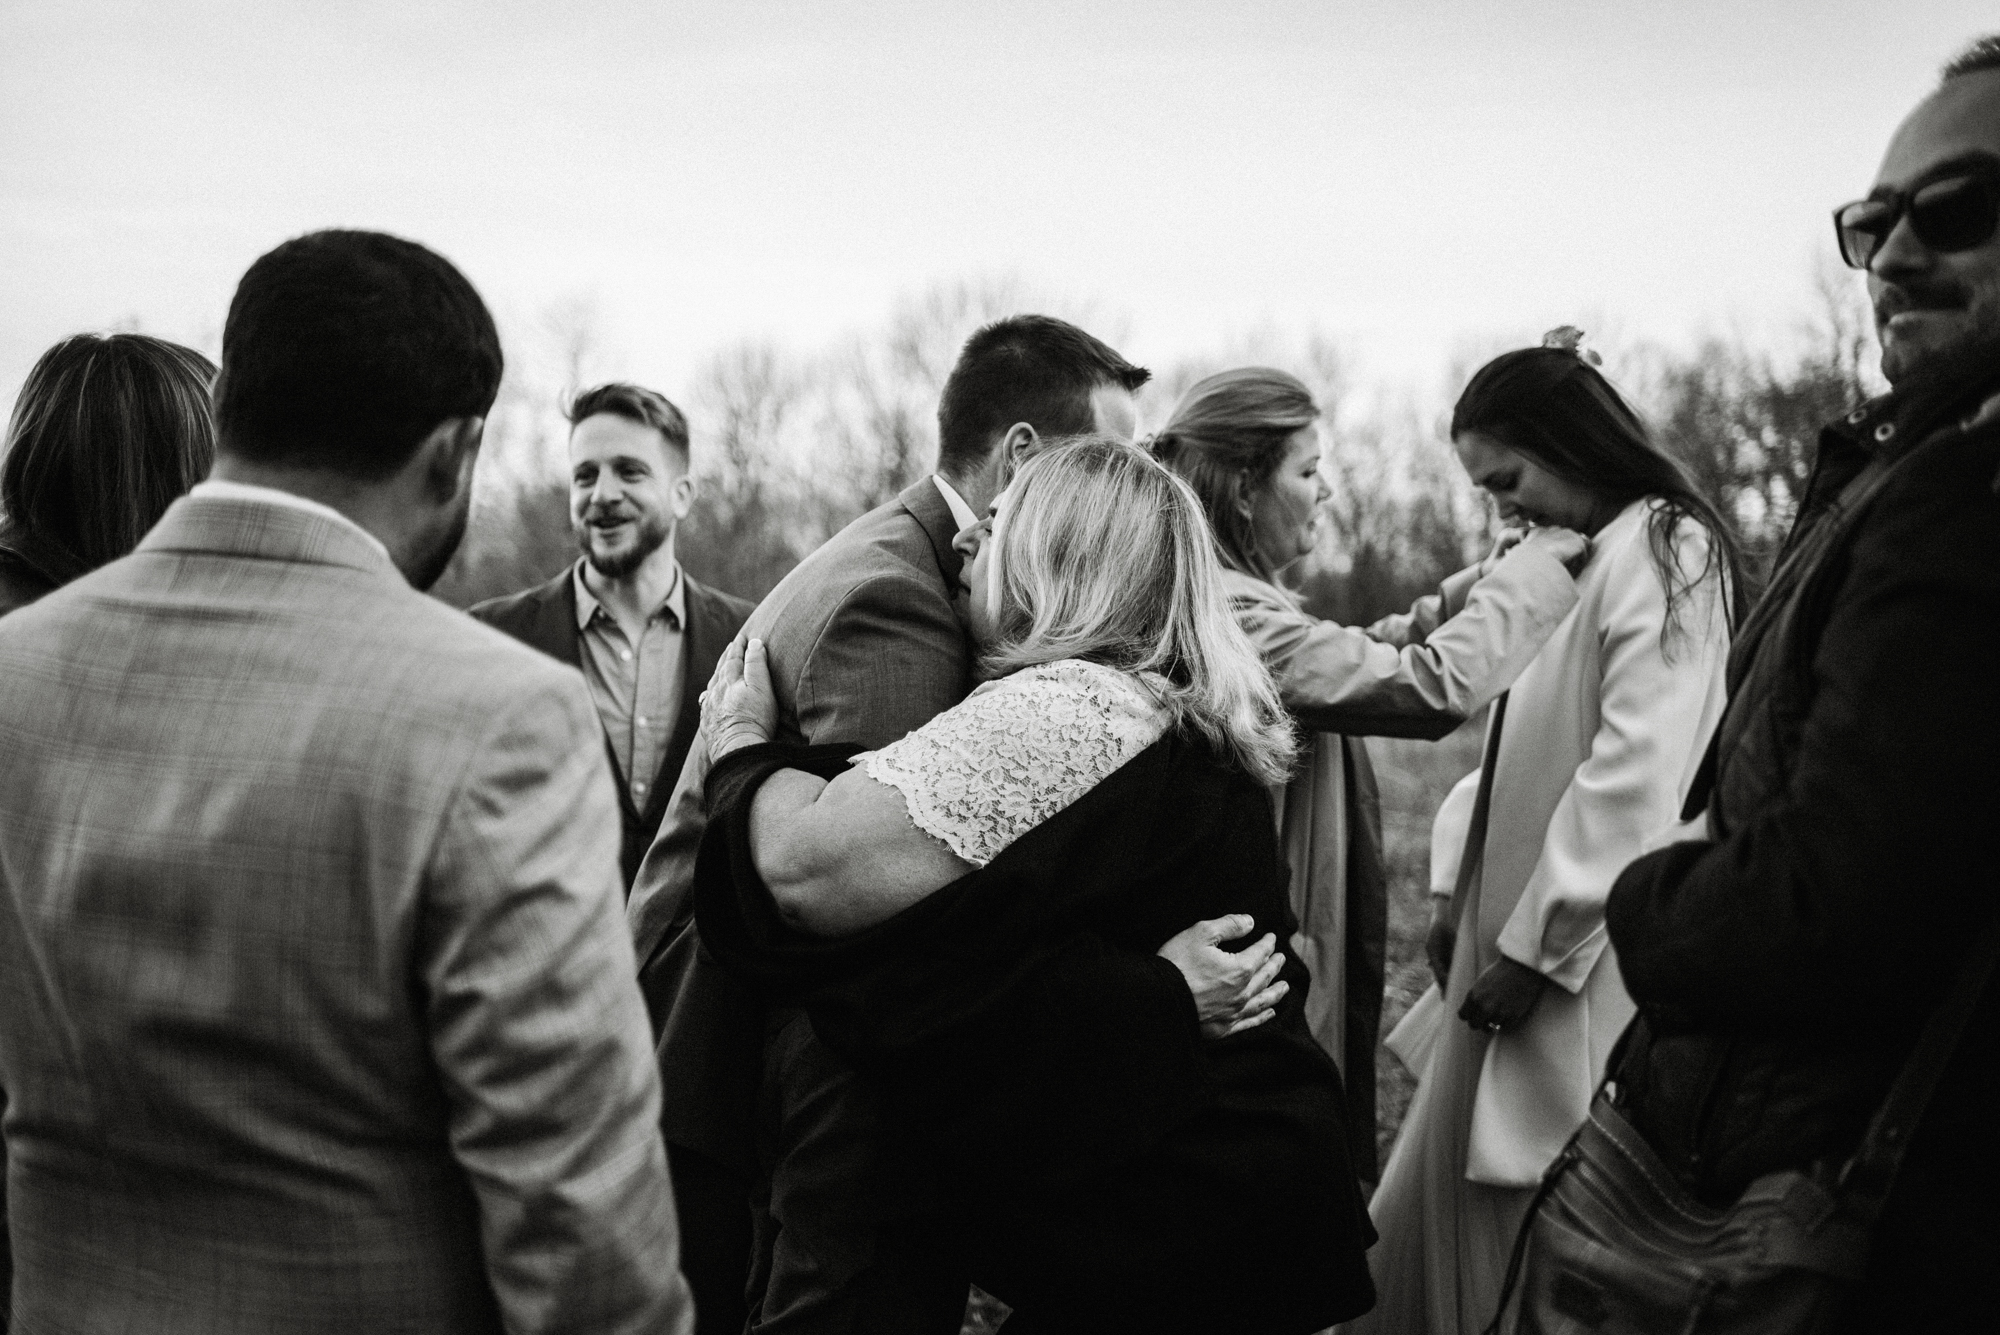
1248 442
1588 758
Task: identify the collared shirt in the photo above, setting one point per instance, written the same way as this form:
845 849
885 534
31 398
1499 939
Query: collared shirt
637 687
961 513
248 491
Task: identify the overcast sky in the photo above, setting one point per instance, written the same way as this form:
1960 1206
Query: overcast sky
1406 176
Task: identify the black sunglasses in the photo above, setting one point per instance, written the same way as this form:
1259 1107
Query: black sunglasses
1953 212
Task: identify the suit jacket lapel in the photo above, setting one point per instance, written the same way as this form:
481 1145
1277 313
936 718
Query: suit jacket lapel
703 639
554 631
927 506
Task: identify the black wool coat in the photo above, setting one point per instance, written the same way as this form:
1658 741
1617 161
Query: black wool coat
1105 1167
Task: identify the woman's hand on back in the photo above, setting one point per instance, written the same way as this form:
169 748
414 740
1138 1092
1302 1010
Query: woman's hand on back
1233 990
739 708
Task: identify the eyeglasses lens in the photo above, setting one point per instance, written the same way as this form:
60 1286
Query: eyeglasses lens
1956 213
1863 226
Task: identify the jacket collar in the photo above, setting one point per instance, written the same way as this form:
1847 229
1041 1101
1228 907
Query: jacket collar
230 525
1240 586
927 506
1962 392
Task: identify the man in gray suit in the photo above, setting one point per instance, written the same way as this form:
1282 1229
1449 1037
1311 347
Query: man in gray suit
316 1007
864 645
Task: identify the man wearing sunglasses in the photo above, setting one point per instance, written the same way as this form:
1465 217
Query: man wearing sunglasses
1848 851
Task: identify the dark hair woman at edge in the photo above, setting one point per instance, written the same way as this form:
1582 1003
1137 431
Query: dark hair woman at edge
1586 767
974 916
1248 442
108 432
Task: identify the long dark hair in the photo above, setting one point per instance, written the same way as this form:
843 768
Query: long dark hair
1552 406
1226 437
107 432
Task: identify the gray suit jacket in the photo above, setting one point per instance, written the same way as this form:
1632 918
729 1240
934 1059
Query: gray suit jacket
316 1011
864 646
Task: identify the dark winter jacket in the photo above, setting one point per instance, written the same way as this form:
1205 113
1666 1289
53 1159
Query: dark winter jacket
1784 970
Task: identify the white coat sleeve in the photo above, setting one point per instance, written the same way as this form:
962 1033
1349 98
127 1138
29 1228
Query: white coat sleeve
1439 670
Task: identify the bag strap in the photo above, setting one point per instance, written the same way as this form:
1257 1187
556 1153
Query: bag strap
1866 1180
1520 1252
1471 861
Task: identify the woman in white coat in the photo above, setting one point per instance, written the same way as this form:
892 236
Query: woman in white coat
1588 758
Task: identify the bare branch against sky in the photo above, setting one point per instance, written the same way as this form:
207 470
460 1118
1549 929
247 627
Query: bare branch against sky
1405 176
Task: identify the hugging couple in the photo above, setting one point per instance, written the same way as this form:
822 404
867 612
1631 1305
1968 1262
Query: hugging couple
986 987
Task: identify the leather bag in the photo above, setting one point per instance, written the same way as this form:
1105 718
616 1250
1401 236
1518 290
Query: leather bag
1615 1246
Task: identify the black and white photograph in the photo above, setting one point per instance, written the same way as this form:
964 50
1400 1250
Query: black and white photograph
1059 667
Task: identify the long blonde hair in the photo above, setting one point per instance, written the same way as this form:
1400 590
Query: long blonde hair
1105 556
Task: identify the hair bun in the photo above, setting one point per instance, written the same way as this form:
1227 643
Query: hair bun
1568 338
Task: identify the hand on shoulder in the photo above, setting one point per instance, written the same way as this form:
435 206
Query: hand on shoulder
739 708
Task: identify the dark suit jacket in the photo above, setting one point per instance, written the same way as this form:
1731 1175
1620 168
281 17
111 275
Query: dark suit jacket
864 646
545 618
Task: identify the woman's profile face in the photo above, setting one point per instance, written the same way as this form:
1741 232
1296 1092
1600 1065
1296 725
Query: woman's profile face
1285 514
979 575
1523 491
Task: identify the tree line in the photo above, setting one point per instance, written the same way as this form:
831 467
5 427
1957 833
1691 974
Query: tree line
790 446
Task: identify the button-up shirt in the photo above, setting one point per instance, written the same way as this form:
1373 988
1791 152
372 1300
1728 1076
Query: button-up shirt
636 686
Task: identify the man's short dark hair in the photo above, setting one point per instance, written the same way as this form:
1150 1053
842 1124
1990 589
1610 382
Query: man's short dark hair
636 403
343 350
1026 368
1981 54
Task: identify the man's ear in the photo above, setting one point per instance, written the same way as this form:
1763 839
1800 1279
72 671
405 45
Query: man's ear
1016 448
680 497
449 453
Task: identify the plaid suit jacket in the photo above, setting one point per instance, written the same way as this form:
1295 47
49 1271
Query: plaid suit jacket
317 1008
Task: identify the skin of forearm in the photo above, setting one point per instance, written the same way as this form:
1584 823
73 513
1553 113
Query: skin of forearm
821 851
791 861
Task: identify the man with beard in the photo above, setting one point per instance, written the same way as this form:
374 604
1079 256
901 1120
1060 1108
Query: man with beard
626 614
316 999
1785 963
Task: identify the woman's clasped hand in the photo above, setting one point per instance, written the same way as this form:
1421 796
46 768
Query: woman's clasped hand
1233 990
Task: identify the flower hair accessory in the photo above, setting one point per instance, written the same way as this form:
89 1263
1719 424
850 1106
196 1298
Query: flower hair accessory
1568 338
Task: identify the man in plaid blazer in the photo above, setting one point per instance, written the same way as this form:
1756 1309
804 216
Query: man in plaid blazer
317 1008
